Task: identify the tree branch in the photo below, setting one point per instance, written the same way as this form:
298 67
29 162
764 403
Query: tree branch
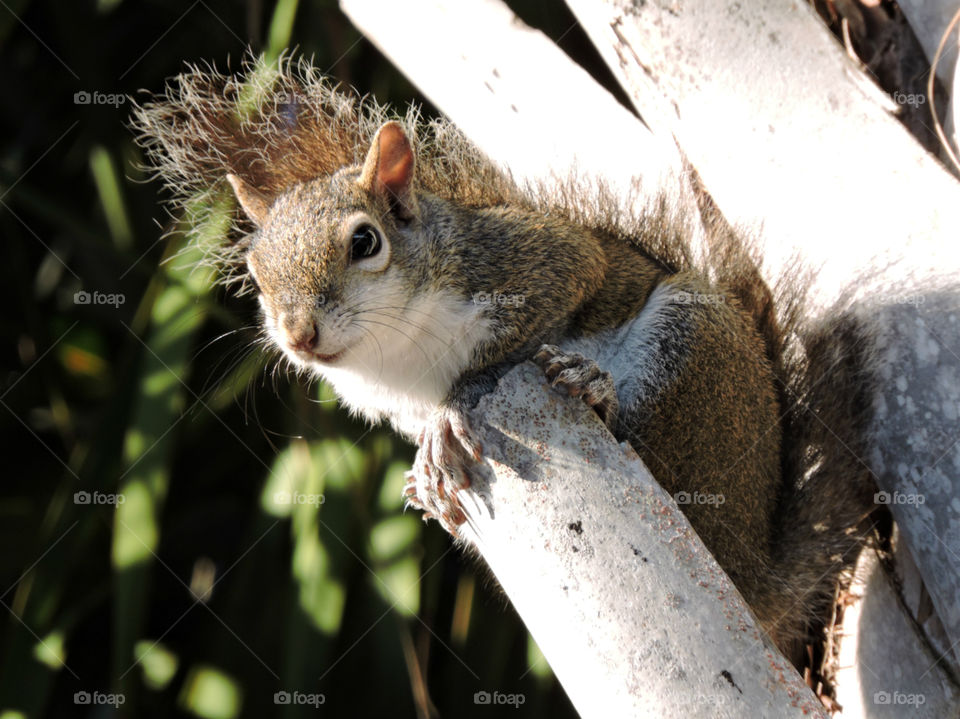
811 149
790 139
630 609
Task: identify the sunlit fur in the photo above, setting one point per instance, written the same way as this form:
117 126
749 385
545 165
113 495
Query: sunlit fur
401 358
286 126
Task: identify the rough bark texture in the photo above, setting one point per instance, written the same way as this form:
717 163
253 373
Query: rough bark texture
810 150
516 94
790 139
630 609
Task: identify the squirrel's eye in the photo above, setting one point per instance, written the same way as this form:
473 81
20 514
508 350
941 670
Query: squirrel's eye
365 242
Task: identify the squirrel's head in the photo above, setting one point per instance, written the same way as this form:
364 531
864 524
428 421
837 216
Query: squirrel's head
332 258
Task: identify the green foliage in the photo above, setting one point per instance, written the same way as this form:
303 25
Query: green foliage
186 530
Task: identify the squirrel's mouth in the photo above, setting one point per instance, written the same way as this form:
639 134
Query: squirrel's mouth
326 359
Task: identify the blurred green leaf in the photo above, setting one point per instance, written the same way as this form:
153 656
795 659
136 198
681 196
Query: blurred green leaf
322 594
390 497
340 462
399 585
536 661
50 650
137 533
281 27
393 537
159 664
210 693
175 317
108 187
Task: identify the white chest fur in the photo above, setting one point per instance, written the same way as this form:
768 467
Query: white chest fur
409 360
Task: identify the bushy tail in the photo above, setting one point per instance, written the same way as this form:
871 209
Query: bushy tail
825 514
825 369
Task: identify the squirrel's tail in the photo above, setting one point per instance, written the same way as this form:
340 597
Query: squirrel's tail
825 373
824 516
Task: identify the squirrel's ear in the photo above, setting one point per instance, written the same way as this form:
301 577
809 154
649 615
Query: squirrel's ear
388 169
254 203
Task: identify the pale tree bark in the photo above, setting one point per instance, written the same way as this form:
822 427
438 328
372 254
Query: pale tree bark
810 149
517 96
571 540
628 606
792 142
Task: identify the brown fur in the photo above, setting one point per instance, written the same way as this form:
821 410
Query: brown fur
780 404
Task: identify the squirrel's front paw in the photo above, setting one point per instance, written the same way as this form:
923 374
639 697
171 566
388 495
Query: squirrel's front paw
447 448
581 377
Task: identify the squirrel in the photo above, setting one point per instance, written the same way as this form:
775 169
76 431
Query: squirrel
395 261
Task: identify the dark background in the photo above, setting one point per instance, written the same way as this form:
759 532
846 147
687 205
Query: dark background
198 596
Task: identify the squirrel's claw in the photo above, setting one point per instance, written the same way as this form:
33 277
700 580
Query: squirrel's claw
460 428
441 468
410 492
581 377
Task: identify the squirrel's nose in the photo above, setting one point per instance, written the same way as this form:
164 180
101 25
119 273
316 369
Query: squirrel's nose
302 336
